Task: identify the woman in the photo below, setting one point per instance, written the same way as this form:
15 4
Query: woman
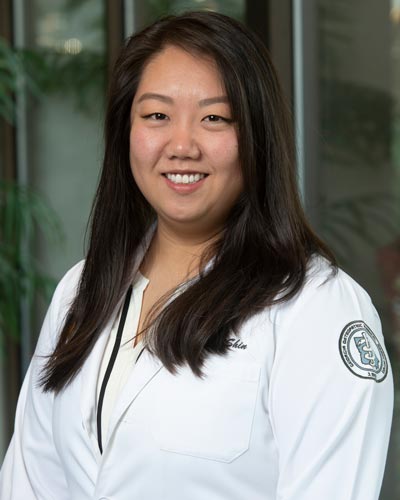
208 347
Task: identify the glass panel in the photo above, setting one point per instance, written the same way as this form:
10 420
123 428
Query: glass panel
64 137
60 133
139 14
358 189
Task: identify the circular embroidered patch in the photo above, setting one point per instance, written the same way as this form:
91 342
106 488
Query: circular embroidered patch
361 351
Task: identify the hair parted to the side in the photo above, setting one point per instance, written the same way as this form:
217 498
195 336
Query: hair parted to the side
266 243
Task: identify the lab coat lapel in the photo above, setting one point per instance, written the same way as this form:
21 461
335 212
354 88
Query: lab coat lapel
89 376
90 370
147 367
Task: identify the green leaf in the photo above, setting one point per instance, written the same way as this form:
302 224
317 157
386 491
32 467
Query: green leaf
22 210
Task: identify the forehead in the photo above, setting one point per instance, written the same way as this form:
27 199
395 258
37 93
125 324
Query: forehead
175 68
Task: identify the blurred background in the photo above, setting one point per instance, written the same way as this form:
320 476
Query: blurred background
339 63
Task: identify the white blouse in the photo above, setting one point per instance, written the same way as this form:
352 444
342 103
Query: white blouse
127 353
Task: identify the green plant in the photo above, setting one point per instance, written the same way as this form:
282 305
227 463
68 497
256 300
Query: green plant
42 72
22 214
13 77
22 211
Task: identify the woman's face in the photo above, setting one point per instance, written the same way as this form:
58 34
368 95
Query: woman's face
183 144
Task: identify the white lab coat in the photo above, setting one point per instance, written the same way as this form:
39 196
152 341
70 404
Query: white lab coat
283 416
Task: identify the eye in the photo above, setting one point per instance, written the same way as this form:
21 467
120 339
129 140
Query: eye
214 118
155 116
217 119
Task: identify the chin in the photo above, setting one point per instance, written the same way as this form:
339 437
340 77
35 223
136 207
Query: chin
184 218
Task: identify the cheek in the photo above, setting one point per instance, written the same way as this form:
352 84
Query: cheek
226 156
142 148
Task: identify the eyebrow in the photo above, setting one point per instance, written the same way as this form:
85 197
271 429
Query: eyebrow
169 100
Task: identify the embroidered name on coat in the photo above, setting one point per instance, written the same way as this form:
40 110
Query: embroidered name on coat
236 343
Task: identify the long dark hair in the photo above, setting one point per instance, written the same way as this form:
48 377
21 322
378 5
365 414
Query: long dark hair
266 243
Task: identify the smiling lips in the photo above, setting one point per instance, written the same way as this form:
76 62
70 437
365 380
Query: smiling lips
185 183
185 178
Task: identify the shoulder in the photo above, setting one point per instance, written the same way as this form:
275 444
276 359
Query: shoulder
61 301
70 280
327 292
332 323
67 287
323 278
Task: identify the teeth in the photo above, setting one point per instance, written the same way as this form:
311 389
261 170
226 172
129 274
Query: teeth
184 179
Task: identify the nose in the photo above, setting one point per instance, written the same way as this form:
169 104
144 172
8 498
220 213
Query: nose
183 143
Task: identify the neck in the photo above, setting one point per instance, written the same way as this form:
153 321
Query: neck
176 253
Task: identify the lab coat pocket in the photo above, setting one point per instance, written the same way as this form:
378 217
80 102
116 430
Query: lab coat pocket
209 418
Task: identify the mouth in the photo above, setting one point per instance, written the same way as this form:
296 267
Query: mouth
185 177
